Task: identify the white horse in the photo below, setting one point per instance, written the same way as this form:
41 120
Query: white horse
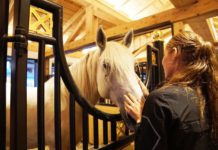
107 72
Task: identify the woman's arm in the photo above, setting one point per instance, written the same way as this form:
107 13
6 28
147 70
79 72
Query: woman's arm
155 121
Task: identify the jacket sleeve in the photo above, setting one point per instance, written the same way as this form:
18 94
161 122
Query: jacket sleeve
156 119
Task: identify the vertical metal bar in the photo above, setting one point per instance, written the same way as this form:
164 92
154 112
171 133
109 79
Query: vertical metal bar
85 130
40 96
159 46
105 132
113 131
95 124
148 82
72 123
18 78
57 106
4 7
57 33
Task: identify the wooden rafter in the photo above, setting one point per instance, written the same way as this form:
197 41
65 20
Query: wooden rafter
73 19
182 3
172 15
89 22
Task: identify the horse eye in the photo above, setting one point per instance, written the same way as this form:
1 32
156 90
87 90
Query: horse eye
106 67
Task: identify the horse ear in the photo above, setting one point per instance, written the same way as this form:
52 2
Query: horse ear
101 38
127 40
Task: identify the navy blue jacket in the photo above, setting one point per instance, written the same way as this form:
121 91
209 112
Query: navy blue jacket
171 121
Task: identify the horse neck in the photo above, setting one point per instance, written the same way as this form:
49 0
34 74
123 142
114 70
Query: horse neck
84 74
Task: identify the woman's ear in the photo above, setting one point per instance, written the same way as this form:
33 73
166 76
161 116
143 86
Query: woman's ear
175 53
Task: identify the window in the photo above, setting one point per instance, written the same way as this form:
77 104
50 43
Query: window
31 72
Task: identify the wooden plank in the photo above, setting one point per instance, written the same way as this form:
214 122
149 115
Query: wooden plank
89 22
72 20
182 3
172 15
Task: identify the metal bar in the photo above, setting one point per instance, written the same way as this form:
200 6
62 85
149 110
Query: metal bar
40 96
113 131
15 38
159 46
105 132
38 38
85 130
18 78
72 123
95 124
57 106
46 5
148 81
4 7
155 69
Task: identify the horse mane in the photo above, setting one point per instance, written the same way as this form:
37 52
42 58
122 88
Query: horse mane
84 73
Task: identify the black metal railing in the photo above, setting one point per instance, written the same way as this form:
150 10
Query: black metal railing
18 113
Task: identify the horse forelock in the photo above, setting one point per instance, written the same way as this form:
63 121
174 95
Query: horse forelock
119 57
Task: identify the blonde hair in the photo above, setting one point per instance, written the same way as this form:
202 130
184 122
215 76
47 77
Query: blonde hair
200 72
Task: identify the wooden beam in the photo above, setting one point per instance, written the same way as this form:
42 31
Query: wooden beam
89 21
182 3
76 29
72 20
172 15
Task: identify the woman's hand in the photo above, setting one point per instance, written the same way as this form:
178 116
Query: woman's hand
133 106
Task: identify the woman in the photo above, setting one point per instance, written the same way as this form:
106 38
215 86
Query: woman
183 113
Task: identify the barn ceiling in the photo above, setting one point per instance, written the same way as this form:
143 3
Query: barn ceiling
82 17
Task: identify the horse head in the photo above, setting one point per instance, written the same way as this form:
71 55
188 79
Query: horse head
115 73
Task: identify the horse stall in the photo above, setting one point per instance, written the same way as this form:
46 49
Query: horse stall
18 136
